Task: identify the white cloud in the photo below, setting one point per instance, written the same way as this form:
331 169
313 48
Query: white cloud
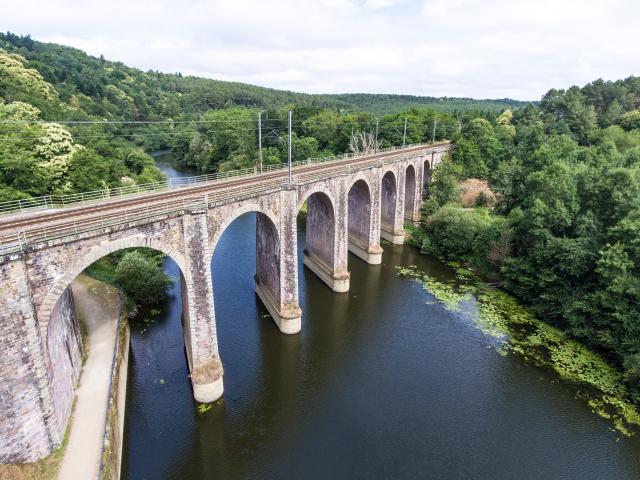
494 48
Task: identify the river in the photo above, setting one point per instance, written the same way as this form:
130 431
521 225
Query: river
382 382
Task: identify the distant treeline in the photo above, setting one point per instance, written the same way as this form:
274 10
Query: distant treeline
381 104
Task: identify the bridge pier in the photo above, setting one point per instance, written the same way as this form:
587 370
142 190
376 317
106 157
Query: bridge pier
326 241
199 324
277 266
392 208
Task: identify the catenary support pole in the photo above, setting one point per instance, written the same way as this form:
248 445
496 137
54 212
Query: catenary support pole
289 153
404 135
260 139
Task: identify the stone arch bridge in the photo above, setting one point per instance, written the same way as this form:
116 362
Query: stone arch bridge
351 204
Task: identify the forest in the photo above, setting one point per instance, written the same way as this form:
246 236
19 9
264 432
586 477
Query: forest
108 117
561 230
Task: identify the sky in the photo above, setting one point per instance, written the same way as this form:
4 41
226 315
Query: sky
465 48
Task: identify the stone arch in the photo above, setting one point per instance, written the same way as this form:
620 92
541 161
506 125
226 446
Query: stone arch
388 194
360 176
317 189
56 290
237 213
59 331
320 239
359 213
267 276
409 192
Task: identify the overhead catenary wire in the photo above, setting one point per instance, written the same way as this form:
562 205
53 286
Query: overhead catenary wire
392 126
382 128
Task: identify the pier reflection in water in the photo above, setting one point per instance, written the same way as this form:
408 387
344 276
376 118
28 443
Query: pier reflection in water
380 383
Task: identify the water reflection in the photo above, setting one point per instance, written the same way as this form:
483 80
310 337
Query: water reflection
381 383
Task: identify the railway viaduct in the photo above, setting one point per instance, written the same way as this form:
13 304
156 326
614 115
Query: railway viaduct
352 202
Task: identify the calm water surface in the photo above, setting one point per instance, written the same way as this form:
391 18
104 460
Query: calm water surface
380 383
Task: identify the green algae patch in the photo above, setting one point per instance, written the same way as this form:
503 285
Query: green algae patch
445 293
499 315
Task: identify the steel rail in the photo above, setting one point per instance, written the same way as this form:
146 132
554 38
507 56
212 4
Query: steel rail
14 223
232 191
47 202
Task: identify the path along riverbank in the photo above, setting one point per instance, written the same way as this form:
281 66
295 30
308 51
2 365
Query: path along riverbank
97 306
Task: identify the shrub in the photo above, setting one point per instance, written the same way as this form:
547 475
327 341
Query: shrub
142 279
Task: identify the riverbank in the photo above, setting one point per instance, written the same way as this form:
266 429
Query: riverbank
45 469
97 306
518 332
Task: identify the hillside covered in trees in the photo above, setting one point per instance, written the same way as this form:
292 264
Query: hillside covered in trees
381 104
564 233
109 117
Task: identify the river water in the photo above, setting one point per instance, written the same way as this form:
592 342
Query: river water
382 382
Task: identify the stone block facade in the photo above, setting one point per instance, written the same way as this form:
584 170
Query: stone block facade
347 211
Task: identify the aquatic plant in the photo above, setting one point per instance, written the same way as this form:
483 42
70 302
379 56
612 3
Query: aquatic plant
521 333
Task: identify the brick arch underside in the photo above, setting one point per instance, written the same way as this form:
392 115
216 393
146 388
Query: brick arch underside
359 201
62 344
267 245
321 226
409 191
426 177
95 254
388 193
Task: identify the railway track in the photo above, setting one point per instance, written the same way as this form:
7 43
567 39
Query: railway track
18 230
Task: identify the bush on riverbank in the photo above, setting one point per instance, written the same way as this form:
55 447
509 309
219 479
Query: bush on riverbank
138 271
473 235
564 234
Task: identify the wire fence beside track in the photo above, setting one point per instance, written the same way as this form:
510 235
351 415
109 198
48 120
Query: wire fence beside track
17 242
48 202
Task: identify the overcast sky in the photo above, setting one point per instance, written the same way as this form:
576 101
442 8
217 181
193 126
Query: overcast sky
481 49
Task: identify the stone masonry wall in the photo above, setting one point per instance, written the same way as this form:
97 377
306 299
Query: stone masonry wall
388 201
26 423
359 213
268 256
409 192
320 228
64 362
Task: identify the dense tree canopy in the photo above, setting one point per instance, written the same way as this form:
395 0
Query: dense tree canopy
565 234
210 125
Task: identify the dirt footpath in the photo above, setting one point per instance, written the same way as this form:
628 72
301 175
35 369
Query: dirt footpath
97 306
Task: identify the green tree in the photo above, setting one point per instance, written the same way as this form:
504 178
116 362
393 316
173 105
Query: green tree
142 278
630 120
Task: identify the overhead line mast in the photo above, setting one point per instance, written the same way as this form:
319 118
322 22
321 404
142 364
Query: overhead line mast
289 153
260 138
